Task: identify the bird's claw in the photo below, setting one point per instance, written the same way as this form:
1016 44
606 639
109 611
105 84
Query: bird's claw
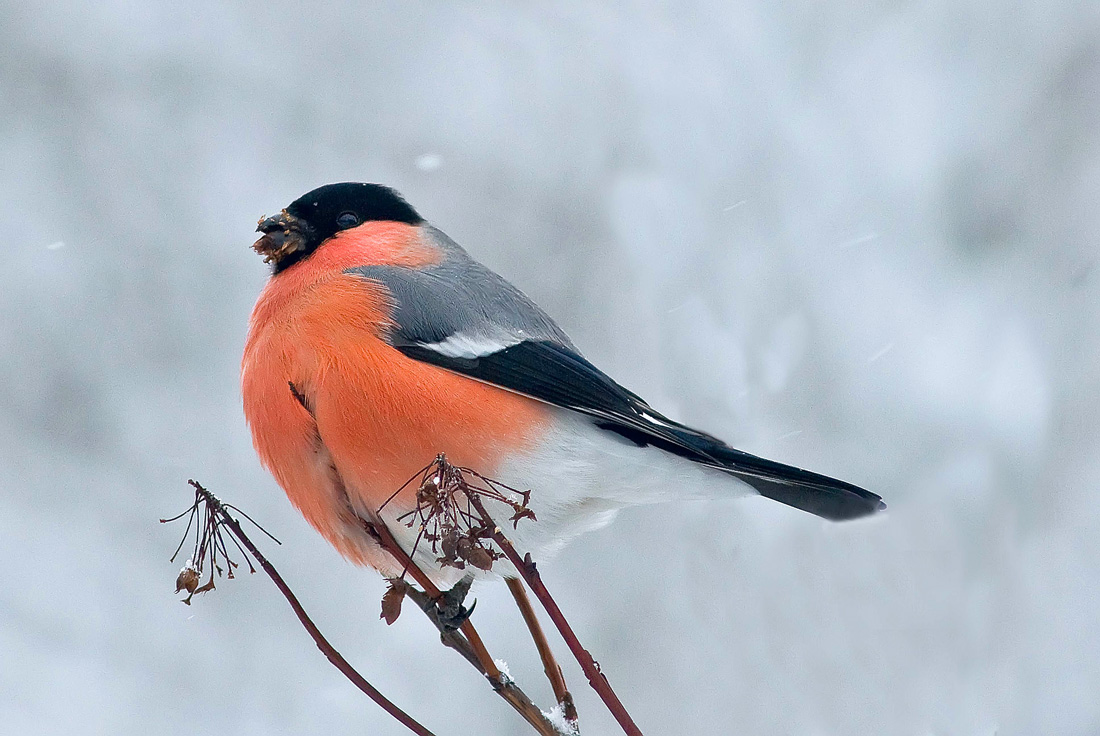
450 609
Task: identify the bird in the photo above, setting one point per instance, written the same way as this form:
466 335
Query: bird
378 343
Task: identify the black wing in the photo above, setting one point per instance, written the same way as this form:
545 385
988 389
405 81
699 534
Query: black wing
461 316
557 375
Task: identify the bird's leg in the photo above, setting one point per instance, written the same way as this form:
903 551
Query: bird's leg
549 664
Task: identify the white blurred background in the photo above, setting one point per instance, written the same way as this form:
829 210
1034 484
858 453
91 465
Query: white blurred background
859 237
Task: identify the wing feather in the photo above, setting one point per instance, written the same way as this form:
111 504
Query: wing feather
466 319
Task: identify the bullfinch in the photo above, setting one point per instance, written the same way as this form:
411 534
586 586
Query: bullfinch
378 343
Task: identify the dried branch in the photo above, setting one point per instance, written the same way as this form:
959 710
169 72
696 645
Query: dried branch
210 541
445 518
381 534
465 640
591 668
549 664
451 517
450 509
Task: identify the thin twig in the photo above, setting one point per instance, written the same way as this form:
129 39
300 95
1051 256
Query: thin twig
531 576
505 687
322 643
467 643
381 533
549 664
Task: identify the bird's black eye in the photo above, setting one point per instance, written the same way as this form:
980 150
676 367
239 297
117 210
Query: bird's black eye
346 220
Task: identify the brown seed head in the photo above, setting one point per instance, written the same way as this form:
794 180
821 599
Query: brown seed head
188 579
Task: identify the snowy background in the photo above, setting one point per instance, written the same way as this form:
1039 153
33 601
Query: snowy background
859 237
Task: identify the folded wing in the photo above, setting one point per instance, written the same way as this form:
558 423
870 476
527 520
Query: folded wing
462 317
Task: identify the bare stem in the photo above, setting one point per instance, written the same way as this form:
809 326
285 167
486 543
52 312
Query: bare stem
467 643
591 668
505 687
549 664
322 643
381 533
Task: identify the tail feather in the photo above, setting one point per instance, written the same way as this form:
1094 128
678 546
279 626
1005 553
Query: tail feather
820 495
825 497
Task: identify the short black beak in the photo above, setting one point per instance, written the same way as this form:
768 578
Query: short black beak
271 224
285 237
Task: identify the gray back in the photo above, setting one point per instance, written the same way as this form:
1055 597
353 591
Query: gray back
461 297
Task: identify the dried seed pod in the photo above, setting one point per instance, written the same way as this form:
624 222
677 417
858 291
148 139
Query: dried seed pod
392 600
428 492
188 579
480 558
463 547
449 543
522 512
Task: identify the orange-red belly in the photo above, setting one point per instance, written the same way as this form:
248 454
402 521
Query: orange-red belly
375 417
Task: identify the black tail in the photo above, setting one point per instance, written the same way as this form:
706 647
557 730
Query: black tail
821 495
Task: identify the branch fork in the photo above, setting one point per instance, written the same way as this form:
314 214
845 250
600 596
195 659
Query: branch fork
452 519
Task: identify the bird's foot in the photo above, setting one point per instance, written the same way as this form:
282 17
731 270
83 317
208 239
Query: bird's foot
450 609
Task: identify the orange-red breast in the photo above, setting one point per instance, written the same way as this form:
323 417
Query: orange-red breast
379 343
